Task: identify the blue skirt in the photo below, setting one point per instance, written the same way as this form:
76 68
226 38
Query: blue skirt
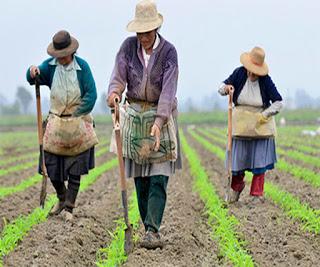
254 155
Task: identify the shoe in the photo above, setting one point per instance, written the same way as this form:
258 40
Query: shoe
257 199
57 208
152 240
234 196
68 216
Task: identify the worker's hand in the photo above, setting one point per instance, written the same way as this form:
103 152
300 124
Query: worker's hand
263 119
34 71
228 88
111 99
155 132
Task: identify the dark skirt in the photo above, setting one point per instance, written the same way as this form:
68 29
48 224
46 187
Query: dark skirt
60 167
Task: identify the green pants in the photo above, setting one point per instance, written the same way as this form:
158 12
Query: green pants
152 197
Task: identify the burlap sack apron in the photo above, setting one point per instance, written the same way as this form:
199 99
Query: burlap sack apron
66 135
245 123
137 144
69 136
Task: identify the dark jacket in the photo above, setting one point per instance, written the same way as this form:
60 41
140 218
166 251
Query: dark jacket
86 82
269 92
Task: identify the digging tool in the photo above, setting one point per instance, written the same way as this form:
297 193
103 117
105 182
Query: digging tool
128 246
43 192
229 147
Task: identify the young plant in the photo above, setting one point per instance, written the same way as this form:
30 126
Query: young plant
114 255
15 231
223 225
302 212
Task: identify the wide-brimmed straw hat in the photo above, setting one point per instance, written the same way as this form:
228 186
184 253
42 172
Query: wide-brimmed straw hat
62 45
146 17
253 61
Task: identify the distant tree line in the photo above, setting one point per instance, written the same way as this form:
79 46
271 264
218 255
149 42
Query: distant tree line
24 103
21 104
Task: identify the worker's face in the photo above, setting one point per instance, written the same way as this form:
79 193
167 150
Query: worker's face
65 60
147 39
253 77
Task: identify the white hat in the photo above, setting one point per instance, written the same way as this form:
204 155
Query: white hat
146 17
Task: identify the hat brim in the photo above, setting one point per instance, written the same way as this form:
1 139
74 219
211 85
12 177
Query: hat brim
144 26
256 69
72 48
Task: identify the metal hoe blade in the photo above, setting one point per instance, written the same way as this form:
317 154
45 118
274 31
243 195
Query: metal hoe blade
128 245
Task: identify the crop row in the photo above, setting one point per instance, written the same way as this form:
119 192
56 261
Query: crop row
26 165
296 171
308 217
6 191
223 225
114 254
287 139
16 230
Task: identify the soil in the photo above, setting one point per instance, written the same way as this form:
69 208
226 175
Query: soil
272 238
184 230
15 178
301 189
302 164
304 191
28 199
57 243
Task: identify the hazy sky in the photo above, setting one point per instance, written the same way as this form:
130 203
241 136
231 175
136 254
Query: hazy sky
209 36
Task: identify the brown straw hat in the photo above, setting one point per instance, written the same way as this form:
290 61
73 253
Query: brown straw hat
253 61
146 18
62 45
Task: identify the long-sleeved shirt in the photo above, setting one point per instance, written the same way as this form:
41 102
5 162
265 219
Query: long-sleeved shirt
154 83
268 90
250 95
86 83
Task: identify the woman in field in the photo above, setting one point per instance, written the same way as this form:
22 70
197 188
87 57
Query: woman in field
72 98
256 100
147 65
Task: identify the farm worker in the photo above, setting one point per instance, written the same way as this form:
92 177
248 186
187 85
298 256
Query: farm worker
256 101
72 98
147 65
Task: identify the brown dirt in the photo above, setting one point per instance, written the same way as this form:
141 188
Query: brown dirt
301 163
301 189
273 239
14 178
184 230
20 161
304 191
28 199
317 154
15 153
56 243
21 203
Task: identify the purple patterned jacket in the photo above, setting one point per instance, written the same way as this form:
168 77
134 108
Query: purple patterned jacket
155 84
